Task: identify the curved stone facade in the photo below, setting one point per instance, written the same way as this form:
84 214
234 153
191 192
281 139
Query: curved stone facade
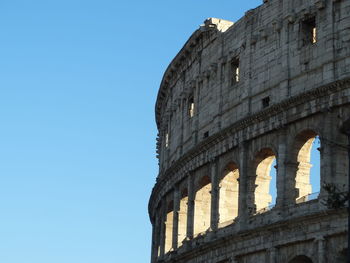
242 99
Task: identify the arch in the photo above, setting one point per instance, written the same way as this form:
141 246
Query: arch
169 226
301 259
202 205
263 163
228 193
182 223
304 147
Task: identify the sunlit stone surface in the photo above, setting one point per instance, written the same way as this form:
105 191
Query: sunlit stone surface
237 98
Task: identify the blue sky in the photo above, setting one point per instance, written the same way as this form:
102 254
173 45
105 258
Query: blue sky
78 83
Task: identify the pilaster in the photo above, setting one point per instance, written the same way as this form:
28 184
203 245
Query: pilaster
243 185
214 194
290 193
176 217
162 229
155 240
281 170
272 255
321 249
190 206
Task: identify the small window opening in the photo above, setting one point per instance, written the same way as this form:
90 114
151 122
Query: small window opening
310 31
235 71
314 35
166 140
265 102
191 107
206 134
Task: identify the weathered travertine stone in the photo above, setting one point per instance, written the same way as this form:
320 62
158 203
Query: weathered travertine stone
236 98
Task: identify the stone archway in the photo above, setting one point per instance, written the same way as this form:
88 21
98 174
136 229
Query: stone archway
228 193
202 205
263 164
303 145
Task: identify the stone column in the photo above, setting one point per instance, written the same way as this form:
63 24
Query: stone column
182 120
223 73
243 185
249 184
214 195
286 39
153 246
290 192
327 153
176 216
272 255
195 121
331 32
155 240
190 206
321 251
167 149
281 169
162 218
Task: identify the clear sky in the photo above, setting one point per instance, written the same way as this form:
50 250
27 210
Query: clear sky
78 83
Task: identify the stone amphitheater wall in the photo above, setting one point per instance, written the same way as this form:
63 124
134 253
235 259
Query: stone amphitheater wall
236 97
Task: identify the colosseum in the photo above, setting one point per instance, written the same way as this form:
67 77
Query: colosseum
242 101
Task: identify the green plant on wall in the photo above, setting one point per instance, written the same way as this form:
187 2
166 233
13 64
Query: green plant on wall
335 198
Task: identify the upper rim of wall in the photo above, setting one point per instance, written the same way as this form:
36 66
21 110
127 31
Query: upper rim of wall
217 24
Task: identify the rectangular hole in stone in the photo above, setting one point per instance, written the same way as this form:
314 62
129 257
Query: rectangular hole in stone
265 102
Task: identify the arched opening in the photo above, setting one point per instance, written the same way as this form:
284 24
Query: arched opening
169 226
273 183
182 217
228 193
307 178
315 171
263 187
301 259
202 205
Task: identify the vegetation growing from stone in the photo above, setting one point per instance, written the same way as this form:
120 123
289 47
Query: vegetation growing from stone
335 199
